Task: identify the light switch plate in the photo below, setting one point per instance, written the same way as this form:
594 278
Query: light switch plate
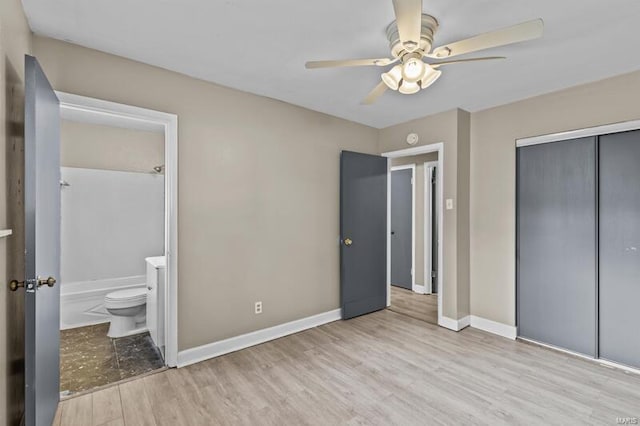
449 204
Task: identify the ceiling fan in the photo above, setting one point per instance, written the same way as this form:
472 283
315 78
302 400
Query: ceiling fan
411 39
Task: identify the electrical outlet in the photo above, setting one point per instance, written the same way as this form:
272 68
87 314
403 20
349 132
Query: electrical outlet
258 308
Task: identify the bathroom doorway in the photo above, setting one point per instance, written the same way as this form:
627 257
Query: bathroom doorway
118 192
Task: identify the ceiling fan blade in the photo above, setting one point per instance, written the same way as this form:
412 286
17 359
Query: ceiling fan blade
457 61
375 94
350 63
409 21
515 34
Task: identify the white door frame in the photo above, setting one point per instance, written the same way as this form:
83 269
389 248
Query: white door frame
424 149
429 208
411 167
98 111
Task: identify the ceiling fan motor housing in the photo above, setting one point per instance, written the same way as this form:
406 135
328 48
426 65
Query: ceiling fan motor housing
427 31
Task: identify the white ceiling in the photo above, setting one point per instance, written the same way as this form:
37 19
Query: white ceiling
261 46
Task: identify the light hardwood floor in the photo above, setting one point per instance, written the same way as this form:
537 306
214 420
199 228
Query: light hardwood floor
384 368
419 306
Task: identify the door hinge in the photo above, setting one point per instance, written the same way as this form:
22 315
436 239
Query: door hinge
434 274
411 181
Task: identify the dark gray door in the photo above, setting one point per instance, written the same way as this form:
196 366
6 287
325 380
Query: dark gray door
402 228
434 230
619 200
363 230
556 226
42 234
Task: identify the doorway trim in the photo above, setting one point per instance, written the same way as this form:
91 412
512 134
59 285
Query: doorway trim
407 152
429 209
103 112
411 167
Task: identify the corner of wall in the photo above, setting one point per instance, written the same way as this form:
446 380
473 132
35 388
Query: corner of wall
15 42
463 218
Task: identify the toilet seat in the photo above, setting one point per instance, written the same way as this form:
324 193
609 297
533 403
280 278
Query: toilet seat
126 298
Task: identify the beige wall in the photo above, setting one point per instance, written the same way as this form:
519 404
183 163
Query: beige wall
95 146
258 191
444 127
419 161
493 136
15 41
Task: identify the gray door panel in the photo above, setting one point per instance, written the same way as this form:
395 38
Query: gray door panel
42 234
434 231
363 220
556 291
401 228
619 200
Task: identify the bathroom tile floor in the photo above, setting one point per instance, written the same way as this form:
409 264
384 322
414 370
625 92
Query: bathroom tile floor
89 359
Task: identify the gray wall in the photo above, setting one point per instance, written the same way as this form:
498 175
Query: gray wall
449 128
258 191
493 135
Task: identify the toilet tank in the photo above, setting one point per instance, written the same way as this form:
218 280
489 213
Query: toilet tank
155 299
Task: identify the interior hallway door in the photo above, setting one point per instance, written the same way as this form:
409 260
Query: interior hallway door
363 233
402 228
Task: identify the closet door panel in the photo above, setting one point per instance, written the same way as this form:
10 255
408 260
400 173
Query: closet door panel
619 296
556 294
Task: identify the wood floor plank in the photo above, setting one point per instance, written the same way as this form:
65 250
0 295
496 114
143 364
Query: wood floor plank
106 406
136 408
78 411
380 369
423 307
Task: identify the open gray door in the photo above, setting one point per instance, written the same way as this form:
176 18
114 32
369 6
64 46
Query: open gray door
363 230
402 228
42 247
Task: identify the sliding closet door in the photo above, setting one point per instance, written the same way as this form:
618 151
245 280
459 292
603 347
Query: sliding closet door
556 291
620 247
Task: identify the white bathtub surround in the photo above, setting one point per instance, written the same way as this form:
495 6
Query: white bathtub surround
111 221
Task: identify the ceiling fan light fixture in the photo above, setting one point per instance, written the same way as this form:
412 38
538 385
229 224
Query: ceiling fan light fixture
393 77
430 77
413 70
409 88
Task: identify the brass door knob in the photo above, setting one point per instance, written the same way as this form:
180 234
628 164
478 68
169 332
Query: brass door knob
15 284
347 242
46 281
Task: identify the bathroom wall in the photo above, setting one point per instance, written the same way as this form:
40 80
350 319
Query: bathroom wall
94 146
112 214
419 161
111 221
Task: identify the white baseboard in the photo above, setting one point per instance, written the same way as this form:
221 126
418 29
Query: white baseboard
212 350
494 327
82 303
455 325
419 288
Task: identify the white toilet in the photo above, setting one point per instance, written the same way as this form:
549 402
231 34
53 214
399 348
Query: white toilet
128 311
